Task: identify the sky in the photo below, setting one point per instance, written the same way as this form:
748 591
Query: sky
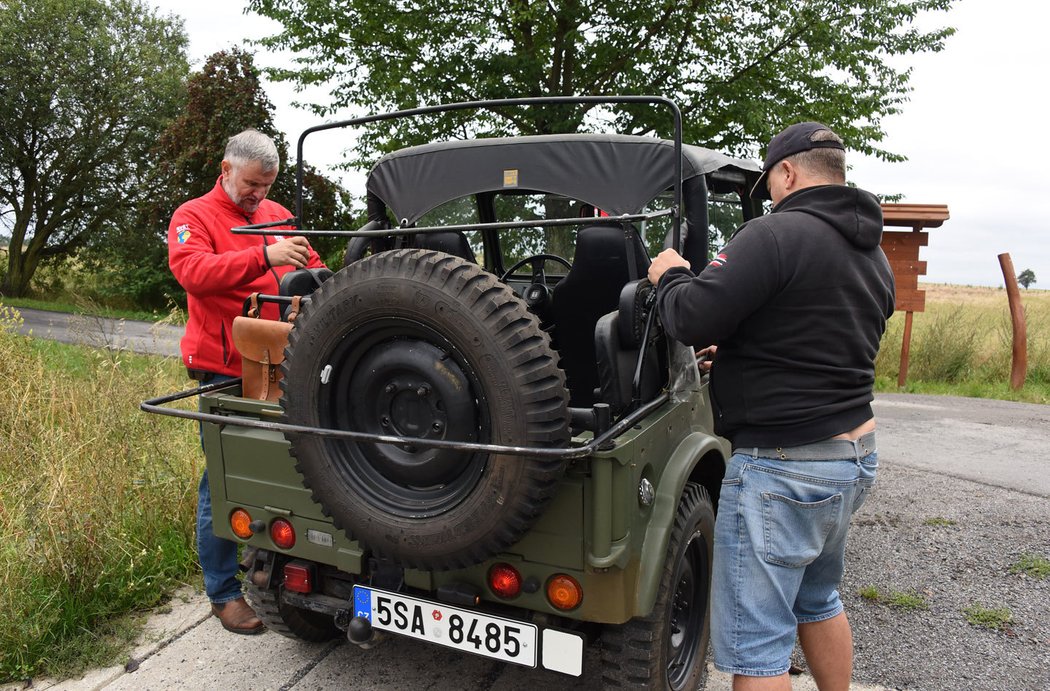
972 130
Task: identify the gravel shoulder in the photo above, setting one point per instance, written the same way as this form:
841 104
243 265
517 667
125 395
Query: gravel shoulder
951 543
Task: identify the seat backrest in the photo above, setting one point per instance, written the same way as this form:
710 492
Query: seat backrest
301 282
602 265
448 241
618 346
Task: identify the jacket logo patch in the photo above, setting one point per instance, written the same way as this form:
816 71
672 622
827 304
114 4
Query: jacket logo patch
182 233
719 260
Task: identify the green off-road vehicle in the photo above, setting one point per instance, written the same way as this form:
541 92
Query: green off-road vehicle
484 440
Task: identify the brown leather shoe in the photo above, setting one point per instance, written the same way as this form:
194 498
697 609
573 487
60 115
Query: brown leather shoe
237 616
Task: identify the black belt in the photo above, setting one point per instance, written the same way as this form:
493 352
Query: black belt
827 450
200 375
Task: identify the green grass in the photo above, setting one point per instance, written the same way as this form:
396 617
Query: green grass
910 600
96 501
174 316
998 619
1034 565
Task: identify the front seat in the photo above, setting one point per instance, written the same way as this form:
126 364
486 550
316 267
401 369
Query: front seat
607 257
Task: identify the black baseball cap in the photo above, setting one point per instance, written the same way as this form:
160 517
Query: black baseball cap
793 140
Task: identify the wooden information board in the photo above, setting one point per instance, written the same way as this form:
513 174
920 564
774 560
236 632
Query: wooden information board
902 249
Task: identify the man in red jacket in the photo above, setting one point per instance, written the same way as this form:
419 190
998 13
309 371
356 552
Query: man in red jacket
219 270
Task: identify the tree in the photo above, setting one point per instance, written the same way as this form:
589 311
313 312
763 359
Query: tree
740 70
1026 278
85 88
224 98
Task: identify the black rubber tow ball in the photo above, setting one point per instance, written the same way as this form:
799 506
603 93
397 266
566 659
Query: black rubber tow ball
359 632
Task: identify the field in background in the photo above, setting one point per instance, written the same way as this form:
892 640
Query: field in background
962 345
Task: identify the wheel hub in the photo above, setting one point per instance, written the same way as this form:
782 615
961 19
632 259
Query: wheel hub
412 388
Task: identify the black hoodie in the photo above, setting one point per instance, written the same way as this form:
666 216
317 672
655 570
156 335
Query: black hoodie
796 303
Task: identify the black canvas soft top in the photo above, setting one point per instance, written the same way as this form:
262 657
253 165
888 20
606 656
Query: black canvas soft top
619 174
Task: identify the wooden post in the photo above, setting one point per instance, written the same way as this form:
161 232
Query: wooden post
902 376
1019 364
902 250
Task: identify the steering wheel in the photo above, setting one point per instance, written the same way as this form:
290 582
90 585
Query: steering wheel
537 261
537 296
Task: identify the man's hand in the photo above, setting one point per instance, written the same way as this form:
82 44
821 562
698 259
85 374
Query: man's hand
664 261
705 357
293 251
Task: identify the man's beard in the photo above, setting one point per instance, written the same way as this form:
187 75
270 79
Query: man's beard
240 201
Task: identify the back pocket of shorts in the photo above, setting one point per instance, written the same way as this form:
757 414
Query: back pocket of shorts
795 531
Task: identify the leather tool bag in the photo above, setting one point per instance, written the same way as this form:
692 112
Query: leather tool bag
261 343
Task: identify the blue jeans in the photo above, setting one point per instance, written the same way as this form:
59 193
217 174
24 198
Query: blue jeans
218 556
780 540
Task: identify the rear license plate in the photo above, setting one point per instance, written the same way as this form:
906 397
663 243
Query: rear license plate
473 632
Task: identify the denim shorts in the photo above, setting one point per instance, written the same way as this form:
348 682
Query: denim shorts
780 540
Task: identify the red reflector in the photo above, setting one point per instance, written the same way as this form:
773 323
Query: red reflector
297 577
505 580
282 533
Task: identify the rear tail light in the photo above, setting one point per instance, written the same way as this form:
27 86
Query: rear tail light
282 533
298 576
564 592
240 523
504 580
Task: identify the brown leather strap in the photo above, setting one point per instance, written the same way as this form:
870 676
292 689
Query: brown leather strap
296 304
253 311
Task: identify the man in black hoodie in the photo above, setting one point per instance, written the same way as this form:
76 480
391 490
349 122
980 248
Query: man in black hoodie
795 305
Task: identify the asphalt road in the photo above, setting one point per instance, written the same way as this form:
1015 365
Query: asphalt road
102 332
961 495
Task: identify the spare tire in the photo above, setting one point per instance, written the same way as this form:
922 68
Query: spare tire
422 344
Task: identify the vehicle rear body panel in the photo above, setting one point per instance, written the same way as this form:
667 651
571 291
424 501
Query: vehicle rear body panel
595 528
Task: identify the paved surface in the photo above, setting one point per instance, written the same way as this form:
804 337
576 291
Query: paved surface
185 651
962 494
102 332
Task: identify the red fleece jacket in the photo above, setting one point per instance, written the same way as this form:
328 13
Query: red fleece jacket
219 270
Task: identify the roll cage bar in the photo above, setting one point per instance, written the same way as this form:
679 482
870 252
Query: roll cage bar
605 430
675 210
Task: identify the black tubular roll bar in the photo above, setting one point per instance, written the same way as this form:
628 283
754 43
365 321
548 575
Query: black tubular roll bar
600 441
676 207
606 431
407 230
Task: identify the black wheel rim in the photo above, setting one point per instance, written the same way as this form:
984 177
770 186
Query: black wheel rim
688 612
400 377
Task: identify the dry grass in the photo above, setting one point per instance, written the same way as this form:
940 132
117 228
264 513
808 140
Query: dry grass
96 500
962 344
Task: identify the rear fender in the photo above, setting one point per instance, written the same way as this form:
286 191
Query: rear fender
690 452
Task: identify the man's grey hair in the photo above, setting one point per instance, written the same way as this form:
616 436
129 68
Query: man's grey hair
824 163
252 145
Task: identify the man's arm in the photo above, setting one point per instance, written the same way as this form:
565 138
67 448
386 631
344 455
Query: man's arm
199 267
706 309
202 270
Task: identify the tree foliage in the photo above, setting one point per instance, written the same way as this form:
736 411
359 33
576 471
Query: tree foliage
225 97
1026 278
85 88
222 99
740 69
